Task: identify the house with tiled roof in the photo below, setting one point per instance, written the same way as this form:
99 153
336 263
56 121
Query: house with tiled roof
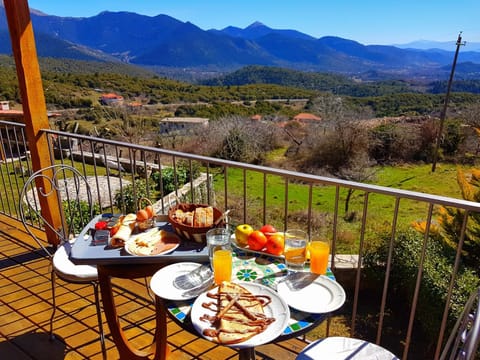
306 117
111 99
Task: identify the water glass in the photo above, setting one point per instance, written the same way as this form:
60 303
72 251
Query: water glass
217 239
295 249
319 252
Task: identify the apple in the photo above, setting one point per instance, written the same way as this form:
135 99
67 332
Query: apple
257 240
242 232
268 229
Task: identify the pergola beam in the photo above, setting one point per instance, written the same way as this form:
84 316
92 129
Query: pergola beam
33 99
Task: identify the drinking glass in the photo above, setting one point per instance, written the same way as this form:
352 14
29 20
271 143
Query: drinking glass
319 251
222 266
217 239
295 249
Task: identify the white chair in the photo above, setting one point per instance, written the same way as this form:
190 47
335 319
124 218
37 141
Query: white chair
72 190
461 345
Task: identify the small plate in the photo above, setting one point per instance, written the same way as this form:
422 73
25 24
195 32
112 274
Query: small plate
278 309
134 237
162 281
320 295
233 241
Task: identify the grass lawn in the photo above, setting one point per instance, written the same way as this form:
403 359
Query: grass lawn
380 210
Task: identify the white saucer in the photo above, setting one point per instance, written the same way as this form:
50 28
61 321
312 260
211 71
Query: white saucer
162 281
321 295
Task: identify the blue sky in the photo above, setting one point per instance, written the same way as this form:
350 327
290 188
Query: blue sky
365 21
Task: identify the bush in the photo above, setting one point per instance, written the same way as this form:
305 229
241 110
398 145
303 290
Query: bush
126 200
171 179
438 268
78 213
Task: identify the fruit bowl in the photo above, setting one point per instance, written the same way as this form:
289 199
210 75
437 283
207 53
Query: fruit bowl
190 232
236 244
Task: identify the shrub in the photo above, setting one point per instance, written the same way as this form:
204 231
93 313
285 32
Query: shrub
171 179
438 268
78 213
126 199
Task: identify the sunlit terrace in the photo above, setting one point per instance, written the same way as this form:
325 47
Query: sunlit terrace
384 265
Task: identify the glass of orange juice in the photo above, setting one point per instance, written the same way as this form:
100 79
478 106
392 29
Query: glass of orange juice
222 266
319 251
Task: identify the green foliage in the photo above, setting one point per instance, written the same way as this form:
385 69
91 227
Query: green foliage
452 137
78 213
127 199
436 277
172 178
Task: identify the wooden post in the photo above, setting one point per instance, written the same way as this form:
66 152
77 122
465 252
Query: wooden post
33 99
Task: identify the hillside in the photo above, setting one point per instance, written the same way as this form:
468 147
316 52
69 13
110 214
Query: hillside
164 42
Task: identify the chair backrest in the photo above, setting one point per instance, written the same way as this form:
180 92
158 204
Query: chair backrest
465 336
73 195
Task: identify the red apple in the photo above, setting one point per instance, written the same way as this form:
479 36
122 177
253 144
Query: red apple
268 229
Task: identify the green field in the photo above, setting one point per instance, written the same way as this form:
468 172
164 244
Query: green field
380 209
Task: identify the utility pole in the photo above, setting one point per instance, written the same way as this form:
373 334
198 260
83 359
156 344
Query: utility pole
445 104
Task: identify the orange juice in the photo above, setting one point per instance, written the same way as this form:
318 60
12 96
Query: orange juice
319 251
222 266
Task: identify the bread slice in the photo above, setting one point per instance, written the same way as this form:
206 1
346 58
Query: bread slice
203 217
240 314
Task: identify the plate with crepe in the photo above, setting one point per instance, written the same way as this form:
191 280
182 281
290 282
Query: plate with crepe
152 242
249 314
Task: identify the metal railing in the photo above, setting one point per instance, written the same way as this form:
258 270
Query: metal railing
258 195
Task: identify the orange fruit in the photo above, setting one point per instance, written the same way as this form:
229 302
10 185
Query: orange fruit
149 210
257 240
142 215
275 244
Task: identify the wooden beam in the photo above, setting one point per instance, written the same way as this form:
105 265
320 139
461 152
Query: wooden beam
33 98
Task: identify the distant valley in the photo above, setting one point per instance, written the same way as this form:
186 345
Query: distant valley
164 44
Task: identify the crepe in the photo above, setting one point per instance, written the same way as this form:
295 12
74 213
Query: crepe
126 224
152 242
240 314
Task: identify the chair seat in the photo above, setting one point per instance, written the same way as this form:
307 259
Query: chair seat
337 348
69 271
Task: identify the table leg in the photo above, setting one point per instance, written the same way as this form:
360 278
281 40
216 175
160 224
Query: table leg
126 351
246 354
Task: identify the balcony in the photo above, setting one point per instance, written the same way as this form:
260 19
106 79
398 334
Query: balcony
254 195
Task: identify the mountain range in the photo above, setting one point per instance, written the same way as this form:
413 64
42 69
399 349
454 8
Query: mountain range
164 42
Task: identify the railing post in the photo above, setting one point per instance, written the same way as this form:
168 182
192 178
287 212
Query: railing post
33 99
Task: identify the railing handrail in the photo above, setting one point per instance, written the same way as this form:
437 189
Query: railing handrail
323 180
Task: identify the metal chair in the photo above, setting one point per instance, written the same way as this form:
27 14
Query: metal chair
72 191
462 343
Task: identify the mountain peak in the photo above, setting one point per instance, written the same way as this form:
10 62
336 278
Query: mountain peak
256 24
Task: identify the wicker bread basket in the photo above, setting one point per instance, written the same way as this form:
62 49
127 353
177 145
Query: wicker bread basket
191 233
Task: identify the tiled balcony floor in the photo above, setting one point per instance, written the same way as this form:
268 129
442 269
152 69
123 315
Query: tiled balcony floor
25 308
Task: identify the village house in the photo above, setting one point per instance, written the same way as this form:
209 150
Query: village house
181 124
306 118
111 99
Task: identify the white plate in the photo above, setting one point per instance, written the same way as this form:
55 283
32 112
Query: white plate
277 309
322 295
132 239
162 281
